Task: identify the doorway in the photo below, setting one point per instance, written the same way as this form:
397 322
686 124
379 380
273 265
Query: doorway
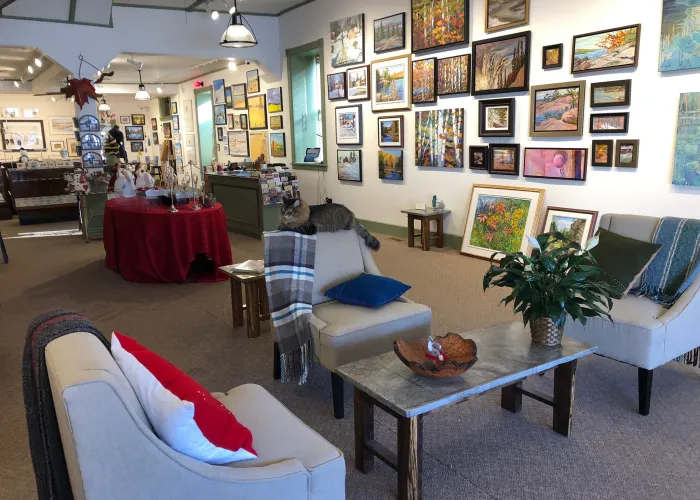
205 126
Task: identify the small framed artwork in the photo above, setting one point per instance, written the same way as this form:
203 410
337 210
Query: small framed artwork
390 131
423 76
274 100
167 130
154 125
350 165
88 123
156 142
607 49
238 143
610 123
602 153
220 114
504 159
357 80
138 119
486 54
244 121
228 95
575 225
276 122
218 147
173 108
506 14
57 146
235 122
124 120
278 148
556 110
608 94
176 123
391 86
627 153
220 133
336 86
348 41
348 125
257 111
436 23
553 56
391 164
390 33
134 133
453 75
553 163
230 121
252 79
219 93
136 147
240 101
497 118
478 157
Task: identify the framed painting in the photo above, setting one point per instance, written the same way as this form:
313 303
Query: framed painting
274 100
176 123
506 14
173 108
336 86
220 114
423 77
137 147
138 119
438 23
391 85
234 122
680 35
238 96
156 141
497 118
72 145
238 143
453 75
499 218
350 165
391 164
62 125
278 148
478 157
687 153
57 146
348 125
390 33
134 133
252 79
358 83
504 159
575 225
610 123
154 125
554 163
390 131
230 122
556 110
608 94
553 56
627 153
124 120
219 134
228 93
257 112
167 130
501 65
348 41
244 121
276 122
602 153
9 113
259 146
219 92
607 49
440 138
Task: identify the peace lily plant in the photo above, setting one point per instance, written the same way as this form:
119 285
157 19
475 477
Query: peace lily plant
559 280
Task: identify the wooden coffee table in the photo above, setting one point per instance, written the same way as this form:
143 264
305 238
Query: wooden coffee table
506 357
256 304
425 216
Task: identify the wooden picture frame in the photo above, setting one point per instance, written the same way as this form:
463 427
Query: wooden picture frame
423 86
337 86
484 84
392 45
590 217
385 125
458 36
595 122
547 63
556 163
57 146
492 125
602 153
397 65
480 162
496 161
620 149
508 25
549 109
599 100
587 42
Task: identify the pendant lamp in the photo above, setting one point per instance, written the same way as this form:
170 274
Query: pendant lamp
142 94
237 34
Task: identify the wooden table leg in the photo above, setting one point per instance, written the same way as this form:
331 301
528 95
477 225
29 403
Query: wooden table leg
264 304
564 385
425 234
364 432
512 398
252 309
410 457
411 231
236 303
276 363
440 235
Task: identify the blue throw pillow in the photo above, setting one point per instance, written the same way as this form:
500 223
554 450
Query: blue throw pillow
368 290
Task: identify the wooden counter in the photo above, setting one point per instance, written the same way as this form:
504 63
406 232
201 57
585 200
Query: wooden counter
39 195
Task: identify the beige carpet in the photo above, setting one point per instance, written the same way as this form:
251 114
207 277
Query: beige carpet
474 450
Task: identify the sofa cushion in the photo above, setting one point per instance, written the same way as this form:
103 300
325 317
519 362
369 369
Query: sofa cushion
368 290
338 258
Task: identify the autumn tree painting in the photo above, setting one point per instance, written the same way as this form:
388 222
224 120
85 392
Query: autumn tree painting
453 75
437 23
440 138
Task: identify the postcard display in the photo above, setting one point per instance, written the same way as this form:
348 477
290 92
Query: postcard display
495 66
275 185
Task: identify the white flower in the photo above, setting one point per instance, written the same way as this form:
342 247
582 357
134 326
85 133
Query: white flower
533 242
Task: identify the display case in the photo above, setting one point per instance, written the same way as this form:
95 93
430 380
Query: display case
39 195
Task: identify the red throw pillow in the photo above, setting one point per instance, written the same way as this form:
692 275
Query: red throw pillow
182 412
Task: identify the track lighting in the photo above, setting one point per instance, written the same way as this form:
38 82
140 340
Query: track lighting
16 83
53 99
38 62
159 90
215 15
30 69
237 34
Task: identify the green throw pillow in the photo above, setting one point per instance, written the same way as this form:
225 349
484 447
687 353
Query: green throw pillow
621 259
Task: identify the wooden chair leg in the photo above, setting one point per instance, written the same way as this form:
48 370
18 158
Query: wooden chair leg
276 363
644 383
337 387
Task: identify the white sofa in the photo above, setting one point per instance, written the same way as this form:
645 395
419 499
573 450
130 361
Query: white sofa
644 334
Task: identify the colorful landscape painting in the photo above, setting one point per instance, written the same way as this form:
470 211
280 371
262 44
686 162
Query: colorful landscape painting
390 131
499 223
501 65
607 49
686 165
552 56
347 41
357 84
609 94
389 33
391 84
602 153
423 80
257 112
278 147
239 97
347 124
440 138
350 165
504 14
453 75
557 109
274 100
219 92
336 86
609 123
497 118
504 160
391 165
436 23
680 35
555 163
572 228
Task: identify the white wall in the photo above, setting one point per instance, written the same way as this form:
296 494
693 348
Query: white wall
646 190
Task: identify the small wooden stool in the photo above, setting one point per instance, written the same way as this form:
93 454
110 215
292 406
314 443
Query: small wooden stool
425 216
256 305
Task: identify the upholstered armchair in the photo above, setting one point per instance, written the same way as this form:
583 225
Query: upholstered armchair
644 334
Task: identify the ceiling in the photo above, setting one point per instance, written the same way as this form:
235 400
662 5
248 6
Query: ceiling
13 66
270 7
162 69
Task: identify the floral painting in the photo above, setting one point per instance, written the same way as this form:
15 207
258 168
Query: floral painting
437 23
680 35
686 164
347 41
423 80
606 49
500 223
440 138
391 164
453 75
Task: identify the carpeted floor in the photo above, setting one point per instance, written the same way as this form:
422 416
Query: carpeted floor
474 450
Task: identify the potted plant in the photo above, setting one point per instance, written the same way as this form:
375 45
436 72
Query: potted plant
559 280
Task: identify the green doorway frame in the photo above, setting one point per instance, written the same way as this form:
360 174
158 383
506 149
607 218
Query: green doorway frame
198 91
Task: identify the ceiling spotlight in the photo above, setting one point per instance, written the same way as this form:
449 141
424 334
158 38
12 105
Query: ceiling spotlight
237 34
38 62
232 10
16 83
159 90
30 69
215 15
232 65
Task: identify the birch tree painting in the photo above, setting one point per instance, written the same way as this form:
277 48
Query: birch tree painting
437 23
440 138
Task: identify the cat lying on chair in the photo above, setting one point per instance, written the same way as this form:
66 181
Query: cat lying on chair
298 216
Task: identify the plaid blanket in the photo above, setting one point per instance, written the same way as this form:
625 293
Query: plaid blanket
289 276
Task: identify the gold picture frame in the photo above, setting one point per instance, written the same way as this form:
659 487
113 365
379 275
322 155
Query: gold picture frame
505 26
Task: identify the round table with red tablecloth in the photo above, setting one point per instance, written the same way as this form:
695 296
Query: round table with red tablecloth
146 243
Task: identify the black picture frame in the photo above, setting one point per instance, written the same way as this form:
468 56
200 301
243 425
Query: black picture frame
154 125
359 152
492 151
244 121
359 126
136 146
362 40
611 153
39 123
255 99
618 149
444 60
334 76
403 38
156 142
627 84
413 86
583 165
228 97
173 107
440 46
527 36
220 111
219 133
251 89
236 93
138 119
484 150
559 63
134 133
484 105
273 122
633 64
623 130
176 123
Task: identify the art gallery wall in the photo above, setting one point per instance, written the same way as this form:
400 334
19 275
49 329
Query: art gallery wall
646 190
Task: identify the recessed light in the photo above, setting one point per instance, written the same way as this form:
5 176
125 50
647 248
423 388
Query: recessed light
215 15
38 62
232 65
159 90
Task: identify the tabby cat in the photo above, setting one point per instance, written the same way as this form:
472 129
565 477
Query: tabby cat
298 216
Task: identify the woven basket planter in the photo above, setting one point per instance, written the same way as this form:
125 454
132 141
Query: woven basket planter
546 332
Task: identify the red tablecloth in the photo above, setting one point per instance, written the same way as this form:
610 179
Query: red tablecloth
146 244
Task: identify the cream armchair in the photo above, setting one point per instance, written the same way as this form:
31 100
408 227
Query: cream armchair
644 334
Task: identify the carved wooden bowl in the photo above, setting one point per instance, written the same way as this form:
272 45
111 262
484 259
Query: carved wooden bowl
460 352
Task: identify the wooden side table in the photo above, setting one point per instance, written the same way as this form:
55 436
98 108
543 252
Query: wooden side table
256 305
425 216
